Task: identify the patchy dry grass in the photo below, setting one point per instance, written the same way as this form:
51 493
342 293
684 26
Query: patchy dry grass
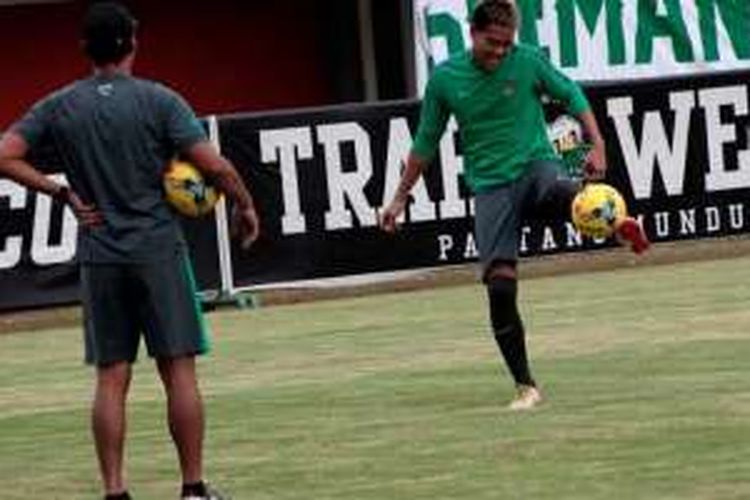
402 396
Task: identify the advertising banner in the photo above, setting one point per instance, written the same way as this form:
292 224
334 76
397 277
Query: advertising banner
603 40
37 244
678 150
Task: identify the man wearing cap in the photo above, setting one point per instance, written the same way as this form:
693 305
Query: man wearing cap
114 135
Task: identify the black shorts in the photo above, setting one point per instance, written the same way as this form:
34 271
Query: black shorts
157 299
543 190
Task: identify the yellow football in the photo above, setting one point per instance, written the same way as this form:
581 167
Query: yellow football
597 210
187 191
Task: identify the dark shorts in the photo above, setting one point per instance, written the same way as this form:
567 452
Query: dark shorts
157 299
543 191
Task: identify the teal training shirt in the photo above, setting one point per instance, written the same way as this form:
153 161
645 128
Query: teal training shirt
114 136
499 113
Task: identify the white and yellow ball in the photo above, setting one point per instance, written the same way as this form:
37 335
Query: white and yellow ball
597 210
187 190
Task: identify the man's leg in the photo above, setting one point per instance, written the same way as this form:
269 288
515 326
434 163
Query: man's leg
496 227
185 414
111 345
555 197
108 423
175 333
502 292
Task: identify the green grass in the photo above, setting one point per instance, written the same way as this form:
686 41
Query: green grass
402 397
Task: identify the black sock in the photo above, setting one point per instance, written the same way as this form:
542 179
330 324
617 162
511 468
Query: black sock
194 489
119 496
508 328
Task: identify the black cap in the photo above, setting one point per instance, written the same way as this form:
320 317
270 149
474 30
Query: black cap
108 31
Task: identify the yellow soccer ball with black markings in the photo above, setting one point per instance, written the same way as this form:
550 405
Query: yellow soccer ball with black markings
597 210
187 190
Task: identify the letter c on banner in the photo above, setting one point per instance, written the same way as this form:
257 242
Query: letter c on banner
10 246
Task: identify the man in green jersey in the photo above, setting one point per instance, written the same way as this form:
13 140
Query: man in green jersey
494 91
114 135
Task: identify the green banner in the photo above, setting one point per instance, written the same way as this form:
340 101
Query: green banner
604 40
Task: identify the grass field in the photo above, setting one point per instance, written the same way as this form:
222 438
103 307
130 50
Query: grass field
401 396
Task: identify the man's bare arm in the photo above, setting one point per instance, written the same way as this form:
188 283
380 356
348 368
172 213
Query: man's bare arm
415 166
226 178
13 164
596 162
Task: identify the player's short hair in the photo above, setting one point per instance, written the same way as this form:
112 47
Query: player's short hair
500 12
108 30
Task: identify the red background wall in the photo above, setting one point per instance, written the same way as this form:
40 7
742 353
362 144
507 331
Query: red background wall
222 55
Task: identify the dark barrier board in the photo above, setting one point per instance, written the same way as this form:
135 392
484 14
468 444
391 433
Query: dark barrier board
679 151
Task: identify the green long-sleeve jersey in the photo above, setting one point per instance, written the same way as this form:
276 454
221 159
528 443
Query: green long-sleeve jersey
499 113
